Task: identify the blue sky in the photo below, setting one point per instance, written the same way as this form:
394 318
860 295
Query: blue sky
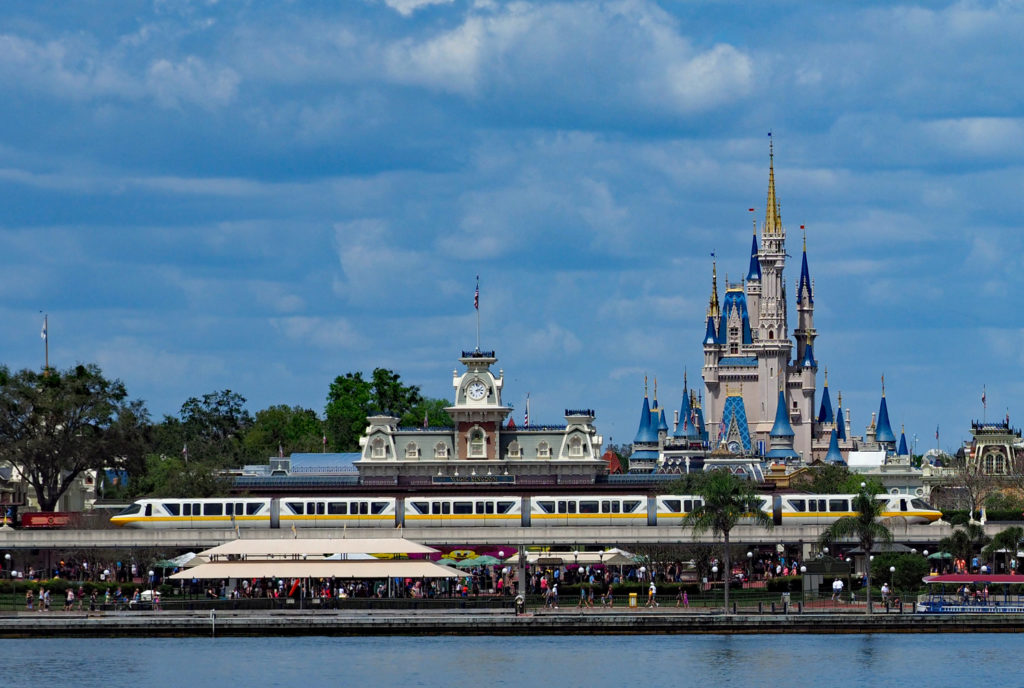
262 196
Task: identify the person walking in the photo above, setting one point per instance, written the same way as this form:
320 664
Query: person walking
652 593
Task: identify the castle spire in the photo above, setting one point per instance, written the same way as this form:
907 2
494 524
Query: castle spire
883 432
754 272
804 286
772 213
713 310
834 455
840 419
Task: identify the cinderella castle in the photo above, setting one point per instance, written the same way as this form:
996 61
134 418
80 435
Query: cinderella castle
761 400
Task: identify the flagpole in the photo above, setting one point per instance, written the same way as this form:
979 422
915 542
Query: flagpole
46 345
476 305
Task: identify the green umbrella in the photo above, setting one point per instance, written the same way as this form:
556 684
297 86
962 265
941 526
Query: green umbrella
940 555
445 561
467 564
486 560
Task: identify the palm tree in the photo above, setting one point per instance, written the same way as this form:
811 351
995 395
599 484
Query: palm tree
865 527
963 542
725 499
1007 540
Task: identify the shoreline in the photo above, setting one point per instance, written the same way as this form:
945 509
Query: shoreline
482 623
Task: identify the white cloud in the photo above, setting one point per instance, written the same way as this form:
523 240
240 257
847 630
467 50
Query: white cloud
191 81
407 7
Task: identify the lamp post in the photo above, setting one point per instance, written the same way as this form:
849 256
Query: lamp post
750 564
501 572
803 588
576 563
10 572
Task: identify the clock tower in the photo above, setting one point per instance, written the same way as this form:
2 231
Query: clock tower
478 413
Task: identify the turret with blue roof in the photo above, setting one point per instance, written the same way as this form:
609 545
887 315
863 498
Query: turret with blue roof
834 455
685 428
840 419
825 412
782 432
754 272
902 451
883 432
647 433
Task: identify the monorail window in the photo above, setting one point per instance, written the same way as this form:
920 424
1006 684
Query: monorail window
546 507
462 508
377 508
687 505
838 505
295 507
363 508
314 508
251 509
174 509
149 509
485 507
229 509
903 505
630 506
215 509
505 507
590 507
920 504
567 507
337 508
673 505
420 507
188 509
797 505
131 509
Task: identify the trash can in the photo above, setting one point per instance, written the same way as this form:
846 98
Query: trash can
785 598
632 599
520 604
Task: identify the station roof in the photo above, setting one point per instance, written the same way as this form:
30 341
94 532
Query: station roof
283 547
320 568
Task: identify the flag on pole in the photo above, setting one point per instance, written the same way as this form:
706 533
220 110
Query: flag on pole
526 422
426 420
476 294
983 398
280 450
43 333
936 433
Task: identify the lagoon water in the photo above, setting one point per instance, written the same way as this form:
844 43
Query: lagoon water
880 661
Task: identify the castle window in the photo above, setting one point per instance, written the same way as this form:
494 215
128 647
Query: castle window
514 452
993 463
771 334
734 348
477 443
543 451
412 451
576 447
378 448
441 451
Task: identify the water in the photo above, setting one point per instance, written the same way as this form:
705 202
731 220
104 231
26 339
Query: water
880 661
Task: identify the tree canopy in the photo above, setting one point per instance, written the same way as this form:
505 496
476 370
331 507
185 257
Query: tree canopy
834 479
352 399
58 423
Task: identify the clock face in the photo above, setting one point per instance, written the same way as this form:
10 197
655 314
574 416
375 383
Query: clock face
476 390
734 447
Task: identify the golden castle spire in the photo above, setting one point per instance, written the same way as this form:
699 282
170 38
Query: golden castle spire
713 303
772 212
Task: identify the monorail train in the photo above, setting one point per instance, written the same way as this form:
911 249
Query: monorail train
493 510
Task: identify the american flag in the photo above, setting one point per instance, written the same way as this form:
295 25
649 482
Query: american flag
476 294
526 422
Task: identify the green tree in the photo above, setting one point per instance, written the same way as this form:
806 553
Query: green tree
726 499
865 527
1006 543
833 479
286 428
213 427
352 398
965 541
910 570
56 424
172 476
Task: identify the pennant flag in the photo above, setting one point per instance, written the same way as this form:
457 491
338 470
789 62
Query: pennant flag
936 433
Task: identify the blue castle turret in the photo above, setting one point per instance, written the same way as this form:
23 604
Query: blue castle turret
840 420
834 455
902 451
686 428
782 433
825 412
883 430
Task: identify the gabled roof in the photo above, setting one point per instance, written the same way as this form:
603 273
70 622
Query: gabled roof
734 300
710 335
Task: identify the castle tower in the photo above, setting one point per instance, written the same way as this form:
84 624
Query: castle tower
883 430
782 433
834 455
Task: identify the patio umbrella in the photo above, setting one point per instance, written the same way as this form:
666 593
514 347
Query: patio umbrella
445 561
466 564
940 555
486 560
